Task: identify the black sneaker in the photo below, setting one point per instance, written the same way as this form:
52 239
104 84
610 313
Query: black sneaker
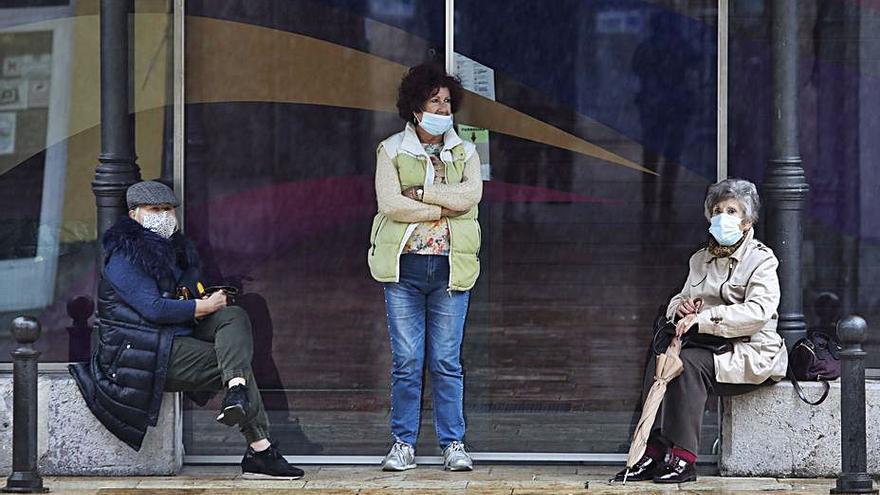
235 406
268 464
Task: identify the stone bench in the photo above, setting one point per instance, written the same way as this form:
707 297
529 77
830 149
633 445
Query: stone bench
771 432
70 441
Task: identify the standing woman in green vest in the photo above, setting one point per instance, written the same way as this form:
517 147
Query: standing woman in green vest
423 248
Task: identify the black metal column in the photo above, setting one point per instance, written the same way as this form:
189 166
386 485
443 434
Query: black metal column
25 477
117 168
854 477
785 185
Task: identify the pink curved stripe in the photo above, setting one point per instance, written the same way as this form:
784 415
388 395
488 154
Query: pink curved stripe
260 220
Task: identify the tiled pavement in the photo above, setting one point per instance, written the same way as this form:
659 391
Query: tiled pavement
426 480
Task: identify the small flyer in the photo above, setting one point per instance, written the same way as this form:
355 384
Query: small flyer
13 94
38 93
12 67
7 133
480 138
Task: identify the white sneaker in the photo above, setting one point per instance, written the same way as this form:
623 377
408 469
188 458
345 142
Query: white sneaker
400 458
455 458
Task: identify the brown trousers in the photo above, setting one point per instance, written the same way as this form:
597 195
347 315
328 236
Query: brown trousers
680 417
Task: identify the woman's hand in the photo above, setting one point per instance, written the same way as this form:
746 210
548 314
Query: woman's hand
412 193
210 304
689 307
685 324
446 212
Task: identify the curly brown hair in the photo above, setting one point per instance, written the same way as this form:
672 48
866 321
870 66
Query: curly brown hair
421 83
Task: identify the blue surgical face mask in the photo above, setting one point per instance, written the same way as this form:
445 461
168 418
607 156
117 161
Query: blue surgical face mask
725 229
435 124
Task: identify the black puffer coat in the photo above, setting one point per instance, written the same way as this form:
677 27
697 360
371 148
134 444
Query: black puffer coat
124 380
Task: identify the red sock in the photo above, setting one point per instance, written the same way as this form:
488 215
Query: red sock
687 455
655 452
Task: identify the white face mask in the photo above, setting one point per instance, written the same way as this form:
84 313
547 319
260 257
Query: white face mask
435 124
163 223
725 229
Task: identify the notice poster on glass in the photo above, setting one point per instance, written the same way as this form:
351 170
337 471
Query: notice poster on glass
38 93
7 133
479 79
13 94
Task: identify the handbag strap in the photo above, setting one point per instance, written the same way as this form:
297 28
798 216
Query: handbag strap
802 395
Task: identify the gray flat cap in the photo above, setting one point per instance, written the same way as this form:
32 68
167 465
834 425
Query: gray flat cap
150 192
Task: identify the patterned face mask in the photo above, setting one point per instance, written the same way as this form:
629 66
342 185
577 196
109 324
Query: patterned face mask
163 223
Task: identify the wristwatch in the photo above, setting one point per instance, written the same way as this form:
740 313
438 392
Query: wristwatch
420 193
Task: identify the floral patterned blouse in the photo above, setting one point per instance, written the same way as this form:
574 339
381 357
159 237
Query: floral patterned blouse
430 237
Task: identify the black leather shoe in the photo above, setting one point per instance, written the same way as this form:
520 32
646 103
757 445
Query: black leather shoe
645 469
677 470
235 406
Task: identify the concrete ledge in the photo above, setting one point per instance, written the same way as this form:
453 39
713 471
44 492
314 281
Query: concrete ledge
71 441
771 432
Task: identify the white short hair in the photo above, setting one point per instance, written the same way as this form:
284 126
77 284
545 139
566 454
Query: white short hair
741 190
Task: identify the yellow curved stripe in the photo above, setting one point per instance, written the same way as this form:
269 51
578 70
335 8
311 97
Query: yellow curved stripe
483 112
232 61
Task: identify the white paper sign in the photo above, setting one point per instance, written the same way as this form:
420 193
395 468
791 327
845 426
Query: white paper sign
7 133
620 22
475 76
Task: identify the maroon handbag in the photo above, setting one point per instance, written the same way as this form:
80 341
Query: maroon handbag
814 358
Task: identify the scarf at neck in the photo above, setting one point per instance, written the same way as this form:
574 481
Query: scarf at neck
719 251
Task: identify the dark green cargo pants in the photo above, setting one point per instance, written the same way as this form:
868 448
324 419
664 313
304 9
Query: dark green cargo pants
220 348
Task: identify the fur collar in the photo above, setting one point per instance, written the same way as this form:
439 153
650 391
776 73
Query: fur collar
150 252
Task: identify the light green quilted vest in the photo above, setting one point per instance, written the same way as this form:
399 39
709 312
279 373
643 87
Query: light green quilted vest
387 236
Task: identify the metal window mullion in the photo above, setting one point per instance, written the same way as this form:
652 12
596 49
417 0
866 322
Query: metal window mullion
449 47
723 58
179 141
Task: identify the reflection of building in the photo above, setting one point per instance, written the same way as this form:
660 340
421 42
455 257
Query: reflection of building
32 115
48 139
285 104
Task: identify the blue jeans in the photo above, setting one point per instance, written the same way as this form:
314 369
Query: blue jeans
421 311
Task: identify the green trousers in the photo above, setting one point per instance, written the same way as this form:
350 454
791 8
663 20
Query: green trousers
220 348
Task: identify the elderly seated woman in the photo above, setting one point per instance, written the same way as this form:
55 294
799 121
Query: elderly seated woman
731 291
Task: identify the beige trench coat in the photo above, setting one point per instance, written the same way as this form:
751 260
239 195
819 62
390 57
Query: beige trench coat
740 298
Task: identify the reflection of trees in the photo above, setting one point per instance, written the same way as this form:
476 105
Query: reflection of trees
834 128
662 63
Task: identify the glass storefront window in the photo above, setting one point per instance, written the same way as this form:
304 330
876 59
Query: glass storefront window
581 243
585 237
286 104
